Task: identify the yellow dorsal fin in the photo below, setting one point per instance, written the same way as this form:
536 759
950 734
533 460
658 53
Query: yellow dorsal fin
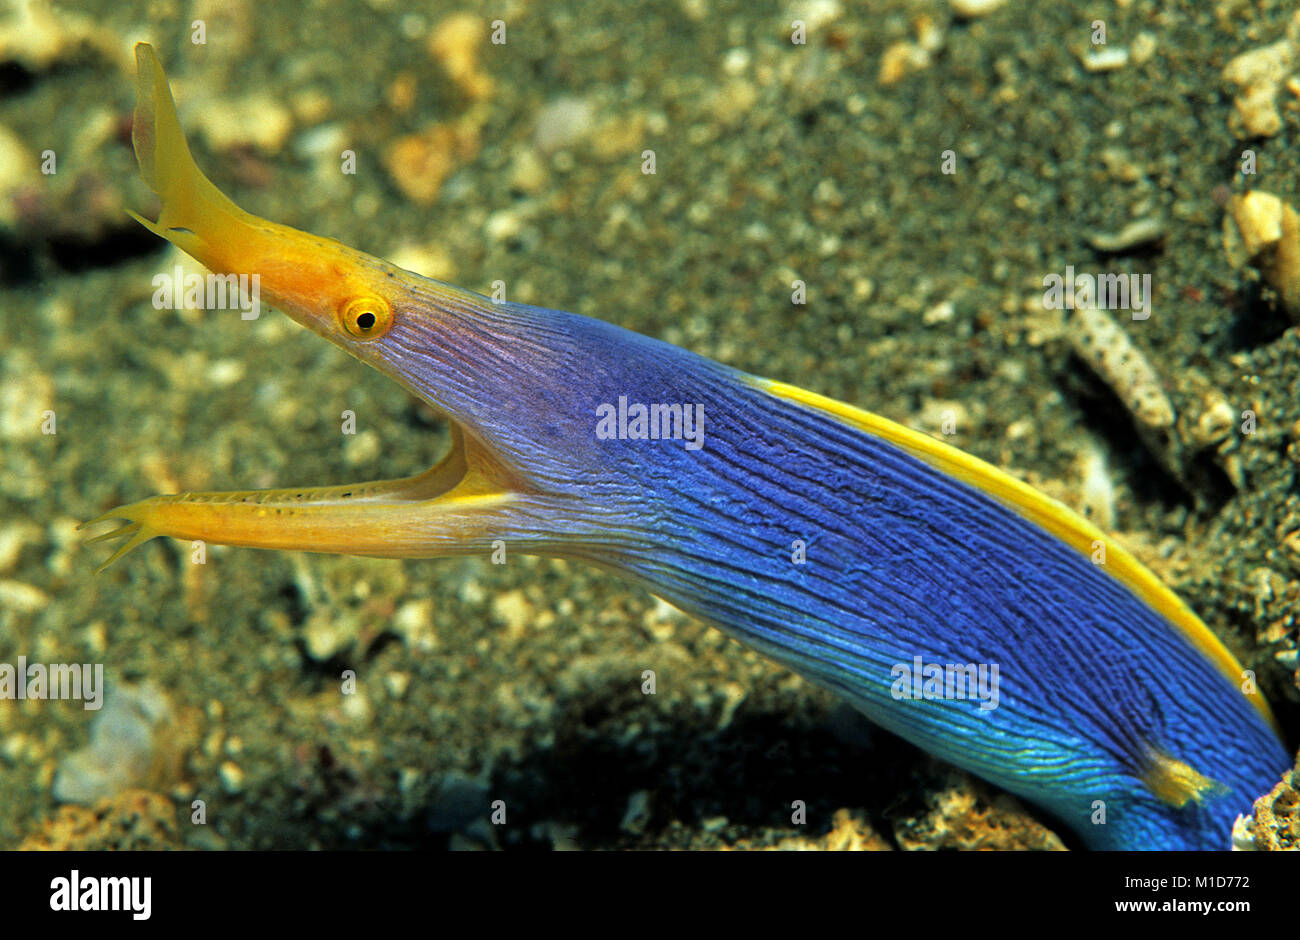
1047 513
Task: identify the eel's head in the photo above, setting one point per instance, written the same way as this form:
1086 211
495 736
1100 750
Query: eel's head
520 466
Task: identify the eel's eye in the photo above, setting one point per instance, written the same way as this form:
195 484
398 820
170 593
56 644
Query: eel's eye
367 317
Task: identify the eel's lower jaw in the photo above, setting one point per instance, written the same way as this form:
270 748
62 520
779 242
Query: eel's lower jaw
457 506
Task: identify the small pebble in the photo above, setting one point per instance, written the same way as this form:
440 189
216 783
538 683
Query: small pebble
323 638
714 823
637 814
1136 233
397 683
1142 48
413 622
1270 233
1258 75
326 141
562 123
130 738
420 163
429 260
260 121
226 372
25 396
971 9
1105 59
13 538
356 708
232 777
528 171
22 597
455 44
901 59
512 609
942 312
736 61
361 448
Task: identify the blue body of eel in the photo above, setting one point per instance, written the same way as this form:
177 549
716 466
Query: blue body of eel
860 554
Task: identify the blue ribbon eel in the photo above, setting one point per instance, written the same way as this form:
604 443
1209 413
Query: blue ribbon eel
952 604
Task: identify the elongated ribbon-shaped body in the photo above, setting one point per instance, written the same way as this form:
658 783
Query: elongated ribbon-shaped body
952 604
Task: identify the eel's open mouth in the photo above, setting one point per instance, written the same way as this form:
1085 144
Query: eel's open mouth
456 506
447 508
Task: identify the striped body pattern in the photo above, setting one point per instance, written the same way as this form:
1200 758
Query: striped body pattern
901 560
949 602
